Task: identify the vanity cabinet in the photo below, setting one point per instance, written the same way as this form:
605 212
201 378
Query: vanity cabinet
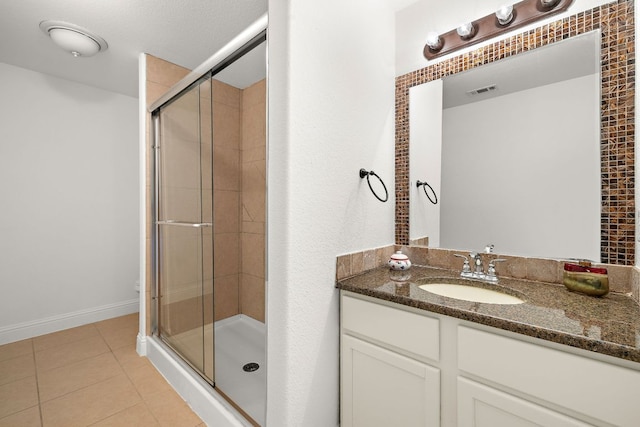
402 367
384 378
384 388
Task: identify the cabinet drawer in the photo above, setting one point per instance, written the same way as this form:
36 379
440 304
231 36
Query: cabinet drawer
597 389
395 327
482 406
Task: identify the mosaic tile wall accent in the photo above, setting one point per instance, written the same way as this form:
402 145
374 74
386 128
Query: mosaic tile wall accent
617 56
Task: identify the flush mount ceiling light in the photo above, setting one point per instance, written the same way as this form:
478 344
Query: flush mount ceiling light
507 18
74 39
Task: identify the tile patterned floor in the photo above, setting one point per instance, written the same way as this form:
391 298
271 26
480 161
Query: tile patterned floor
87 376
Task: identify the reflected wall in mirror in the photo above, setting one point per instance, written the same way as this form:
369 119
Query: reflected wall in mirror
617 53
513 149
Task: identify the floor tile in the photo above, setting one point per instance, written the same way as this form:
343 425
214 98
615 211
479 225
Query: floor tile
109 325
90 375
171 411
17 368
123 337
129 358
15 349
66 379
138 416
147 379
66 354
18 396
27 418
91 404
67 336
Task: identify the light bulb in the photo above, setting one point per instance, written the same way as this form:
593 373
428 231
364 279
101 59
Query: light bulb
466 31
434 41
505 14
549 4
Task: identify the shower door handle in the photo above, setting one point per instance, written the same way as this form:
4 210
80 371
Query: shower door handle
185 224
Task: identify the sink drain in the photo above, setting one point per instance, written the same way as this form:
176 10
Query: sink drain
250 367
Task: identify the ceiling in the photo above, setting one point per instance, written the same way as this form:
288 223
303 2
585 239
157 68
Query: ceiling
185 32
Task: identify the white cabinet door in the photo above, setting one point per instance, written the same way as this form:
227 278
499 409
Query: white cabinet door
482 406
382 388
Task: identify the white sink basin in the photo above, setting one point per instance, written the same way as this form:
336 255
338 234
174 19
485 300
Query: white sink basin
470 293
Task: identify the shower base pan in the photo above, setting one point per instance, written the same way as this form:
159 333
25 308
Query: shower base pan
240 371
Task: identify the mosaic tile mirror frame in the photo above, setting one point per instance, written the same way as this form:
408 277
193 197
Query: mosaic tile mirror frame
617 115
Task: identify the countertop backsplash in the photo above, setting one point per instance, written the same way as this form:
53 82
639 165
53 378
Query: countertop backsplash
622 279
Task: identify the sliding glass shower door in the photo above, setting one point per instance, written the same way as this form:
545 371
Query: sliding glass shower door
210 187
184 227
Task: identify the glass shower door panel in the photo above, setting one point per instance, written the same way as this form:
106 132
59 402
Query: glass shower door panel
180 198
181 310
184 227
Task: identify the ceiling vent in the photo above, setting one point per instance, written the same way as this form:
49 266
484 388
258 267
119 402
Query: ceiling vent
482 90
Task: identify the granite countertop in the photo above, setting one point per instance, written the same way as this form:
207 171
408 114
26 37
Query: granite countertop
609 325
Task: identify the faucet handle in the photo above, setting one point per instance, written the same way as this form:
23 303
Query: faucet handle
492 263
491 270
466 268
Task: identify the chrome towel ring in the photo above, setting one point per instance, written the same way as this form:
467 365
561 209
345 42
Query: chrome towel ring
366 173
424 187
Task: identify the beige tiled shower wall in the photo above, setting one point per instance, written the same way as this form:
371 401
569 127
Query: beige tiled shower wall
227 101
252 277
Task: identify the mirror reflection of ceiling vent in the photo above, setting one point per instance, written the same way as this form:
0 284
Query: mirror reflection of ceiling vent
482 90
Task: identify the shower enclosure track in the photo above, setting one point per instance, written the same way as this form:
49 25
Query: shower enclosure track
251 37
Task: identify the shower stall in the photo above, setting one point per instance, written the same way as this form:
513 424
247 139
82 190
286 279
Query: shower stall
209 136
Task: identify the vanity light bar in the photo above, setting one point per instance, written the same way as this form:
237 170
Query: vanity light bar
523 13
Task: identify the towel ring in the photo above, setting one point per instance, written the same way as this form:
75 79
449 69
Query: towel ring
424 187
364 173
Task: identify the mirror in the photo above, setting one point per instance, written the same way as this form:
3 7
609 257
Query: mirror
616 113
512 151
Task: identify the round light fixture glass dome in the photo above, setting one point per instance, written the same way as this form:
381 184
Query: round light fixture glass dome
74 39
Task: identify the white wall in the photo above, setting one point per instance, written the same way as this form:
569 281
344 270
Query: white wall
69 217
331 112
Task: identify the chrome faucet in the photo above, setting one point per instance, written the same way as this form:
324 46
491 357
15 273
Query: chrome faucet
478 272
478 269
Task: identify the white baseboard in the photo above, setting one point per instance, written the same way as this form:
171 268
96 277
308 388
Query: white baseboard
141 344
200 396
34 328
